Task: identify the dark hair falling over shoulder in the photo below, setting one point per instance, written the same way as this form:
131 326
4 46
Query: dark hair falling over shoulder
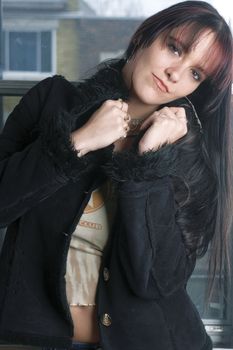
212 100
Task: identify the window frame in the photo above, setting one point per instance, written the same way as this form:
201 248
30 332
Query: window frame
8 74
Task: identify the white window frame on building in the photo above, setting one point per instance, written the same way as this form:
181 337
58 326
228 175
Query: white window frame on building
36 28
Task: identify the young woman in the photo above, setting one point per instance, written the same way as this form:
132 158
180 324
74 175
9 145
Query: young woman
112 188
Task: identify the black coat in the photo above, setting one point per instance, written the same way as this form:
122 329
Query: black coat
142 303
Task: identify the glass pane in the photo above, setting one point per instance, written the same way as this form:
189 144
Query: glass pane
46 52
23 51
9 102
218 307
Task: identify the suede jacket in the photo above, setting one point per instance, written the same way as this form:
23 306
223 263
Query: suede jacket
44 188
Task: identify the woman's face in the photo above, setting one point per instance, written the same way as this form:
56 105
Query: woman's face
166 71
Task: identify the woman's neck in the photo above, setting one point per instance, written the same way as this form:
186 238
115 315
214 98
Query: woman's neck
137 109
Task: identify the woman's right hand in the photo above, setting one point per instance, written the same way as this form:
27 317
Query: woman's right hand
106 125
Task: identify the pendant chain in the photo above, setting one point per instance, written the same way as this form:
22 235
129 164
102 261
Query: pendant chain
135 123
134 126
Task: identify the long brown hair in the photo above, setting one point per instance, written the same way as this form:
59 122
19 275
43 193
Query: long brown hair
212 100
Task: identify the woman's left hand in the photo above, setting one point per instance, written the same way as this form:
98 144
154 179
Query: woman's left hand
166 125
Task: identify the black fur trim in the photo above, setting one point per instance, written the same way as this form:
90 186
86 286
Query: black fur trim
106 83
150 165
56 143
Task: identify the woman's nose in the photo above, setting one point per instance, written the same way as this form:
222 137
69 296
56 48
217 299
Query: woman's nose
174 73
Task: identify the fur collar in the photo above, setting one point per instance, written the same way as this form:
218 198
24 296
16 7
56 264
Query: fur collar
107 83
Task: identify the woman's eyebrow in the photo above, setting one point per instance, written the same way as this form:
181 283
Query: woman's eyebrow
186 47
182 44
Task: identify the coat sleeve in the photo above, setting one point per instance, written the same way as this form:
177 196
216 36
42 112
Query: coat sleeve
151 250
28 173
151 247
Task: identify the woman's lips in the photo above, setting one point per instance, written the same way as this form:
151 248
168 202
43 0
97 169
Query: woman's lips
160 84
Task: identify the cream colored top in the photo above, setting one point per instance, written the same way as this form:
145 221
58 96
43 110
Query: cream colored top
86 247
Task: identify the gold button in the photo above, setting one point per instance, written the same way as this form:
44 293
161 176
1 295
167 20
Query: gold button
106 274
106 320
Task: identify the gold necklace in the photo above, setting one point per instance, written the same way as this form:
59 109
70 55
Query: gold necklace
135 123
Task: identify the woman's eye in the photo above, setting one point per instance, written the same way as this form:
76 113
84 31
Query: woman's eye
175 49
196 75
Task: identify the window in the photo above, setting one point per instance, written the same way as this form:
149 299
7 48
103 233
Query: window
27 52
217 315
